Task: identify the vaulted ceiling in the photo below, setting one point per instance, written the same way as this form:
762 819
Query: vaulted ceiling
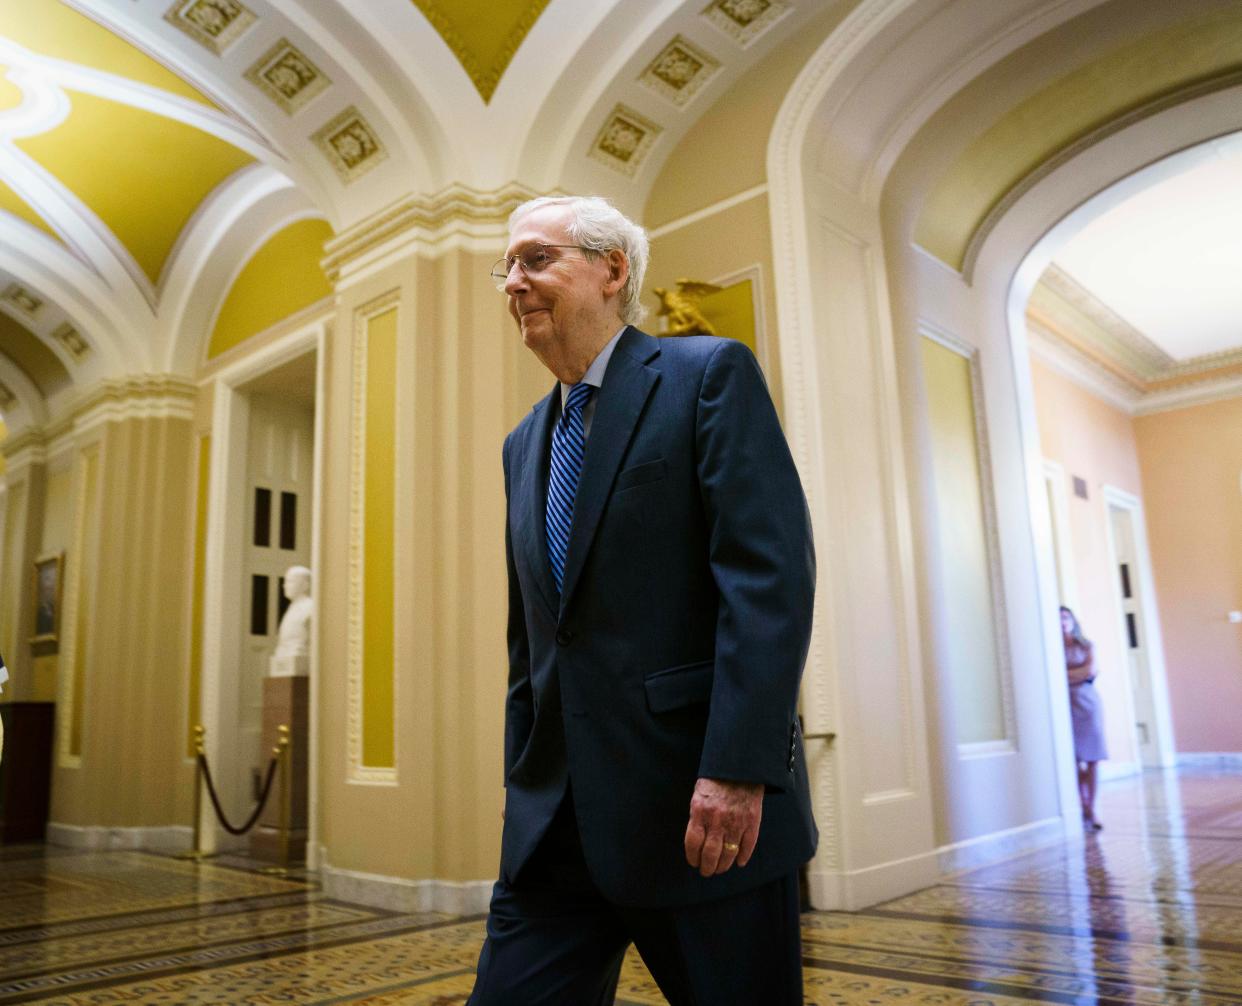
151 151
160 160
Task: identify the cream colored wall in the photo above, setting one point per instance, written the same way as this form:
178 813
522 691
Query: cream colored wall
464 380
135 533
1191 462
1096 442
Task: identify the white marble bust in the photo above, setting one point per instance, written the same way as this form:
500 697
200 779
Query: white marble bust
293 638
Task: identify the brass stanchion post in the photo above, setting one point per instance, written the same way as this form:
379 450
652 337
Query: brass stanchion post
286 793
281 753
196 848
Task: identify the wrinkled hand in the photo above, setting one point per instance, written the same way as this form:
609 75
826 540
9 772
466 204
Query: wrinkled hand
723 813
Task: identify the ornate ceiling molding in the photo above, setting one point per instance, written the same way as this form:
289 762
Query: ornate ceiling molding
1073 313
1082 338
457 211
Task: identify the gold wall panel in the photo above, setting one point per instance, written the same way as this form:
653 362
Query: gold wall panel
372 572
974 674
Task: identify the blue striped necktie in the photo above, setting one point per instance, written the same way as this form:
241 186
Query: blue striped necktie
568 448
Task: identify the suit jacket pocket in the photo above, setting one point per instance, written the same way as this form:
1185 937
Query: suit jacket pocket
675 687
648 471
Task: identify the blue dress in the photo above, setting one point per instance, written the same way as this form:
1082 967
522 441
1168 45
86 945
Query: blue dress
1086 711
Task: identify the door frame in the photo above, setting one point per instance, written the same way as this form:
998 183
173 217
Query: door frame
1055 477
222 602
1149 622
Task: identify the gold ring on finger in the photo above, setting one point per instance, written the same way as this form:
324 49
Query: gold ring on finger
731 847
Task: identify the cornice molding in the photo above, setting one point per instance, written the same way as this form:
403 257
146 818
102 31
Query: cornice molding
1077 366
23 450
1146 358
113 400
454 212
1101 375
1062 311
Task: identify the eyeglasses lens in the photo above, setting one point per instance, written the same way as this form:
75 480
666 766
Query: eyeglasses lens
532 259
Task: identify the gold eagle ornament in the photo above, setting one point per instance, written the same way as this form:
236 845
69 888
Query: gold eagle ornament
681 307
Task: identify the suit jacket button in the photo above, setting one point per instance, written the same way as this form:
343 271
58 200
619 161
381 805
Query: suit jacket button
564 637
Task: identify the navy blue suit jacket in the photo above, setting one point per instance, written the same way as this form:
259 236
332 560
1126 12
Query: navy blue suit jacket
677 646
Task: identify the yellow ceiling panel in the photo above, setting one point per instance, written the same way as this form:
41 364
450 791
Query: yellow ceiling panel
11 202
483 34
1084 100
281 278
142 174
50 28
10 93
32 356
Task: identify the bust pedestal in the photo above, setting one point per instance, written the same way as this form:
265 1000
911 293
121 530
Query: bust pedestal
289 666
286 700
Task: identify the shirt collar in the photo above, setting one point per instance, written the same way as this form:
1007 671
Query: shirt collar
595 372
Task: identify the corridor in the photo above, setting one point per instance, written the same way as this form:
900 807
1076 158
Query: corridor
1149 911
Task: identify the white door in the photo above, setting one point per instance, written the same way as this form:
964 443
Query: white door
1127 584
277 536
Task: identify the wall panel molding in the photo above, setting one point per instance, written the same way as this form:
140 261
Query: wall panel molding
361 676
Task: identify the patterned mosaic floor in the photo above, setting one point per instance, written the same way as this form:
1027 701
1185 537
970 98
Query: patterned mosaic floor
1148 912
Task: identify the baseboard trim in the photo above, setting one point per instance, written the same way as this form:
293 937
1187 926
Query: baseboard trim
972 853
833 890
165 838
398 894
836 890
1229 760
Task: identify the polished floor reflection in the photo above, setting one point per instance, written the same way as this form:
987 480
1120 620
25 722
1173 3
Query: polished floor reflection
1147 912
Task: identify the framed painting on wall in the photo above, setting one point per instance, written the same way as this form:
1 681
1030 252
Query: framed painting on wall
48 577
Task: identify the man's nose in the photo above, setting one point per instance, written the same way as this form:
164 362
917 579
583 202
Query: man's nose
515 281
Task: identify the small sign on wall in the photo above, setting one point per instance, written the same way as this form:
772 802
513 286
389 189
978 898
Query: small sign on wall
1080 488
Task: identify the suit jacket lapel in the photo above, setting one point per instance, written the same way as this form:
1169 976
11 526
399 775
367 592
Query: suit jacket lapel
622 396
532 495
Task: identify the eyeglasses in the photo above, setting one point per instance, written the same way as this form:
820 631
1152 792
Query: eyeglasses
533 259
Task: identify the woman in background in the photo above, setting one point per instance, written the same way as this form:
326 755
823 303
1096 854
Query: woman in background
1085 711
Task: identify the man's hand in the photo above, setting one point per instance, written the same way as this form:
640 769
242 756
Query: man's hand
724 824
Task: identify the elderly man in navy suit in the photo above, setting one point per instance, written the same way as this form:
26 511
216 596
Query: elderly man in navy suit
661 576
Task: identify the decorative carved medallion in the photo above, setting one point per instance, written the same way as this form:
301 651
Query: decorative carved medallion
625 140
287 76
350 144
22 299
7 398
679 71
68 337
213 24
745 20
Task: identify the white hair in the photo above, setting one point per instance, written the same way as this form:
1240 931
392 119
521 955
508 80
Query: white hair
599 226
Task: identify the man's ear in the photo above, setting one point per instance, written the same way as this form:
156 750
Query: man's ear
618 271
